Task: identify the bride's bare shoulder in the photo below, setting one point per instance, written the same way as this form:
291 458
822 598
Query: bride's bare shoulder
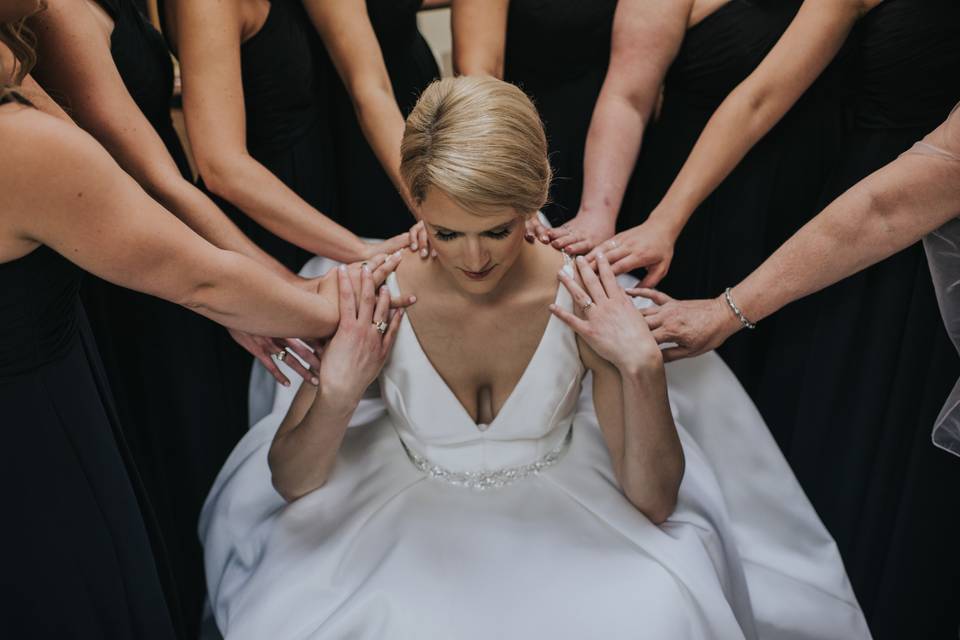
414 273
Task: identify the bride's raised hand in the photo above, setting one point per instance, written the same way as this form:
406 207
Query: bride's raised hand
358 350
380 266
607 320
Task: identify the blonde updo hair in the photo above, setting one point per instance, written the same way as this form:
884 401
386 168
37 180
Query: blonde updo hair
481 142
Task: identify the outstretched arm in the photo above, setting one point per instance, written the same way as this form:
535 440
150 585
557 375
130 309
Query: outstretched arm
742 119
349 37
884 213
306 444
209 33
91 212
77 67
646 37
479 36
630 390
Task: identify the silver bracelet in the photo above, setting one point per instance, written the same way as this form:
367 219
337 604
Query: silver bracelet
736 310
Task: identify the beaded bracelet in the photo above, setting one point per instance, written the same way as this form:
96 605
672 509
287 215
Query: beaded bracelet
736 310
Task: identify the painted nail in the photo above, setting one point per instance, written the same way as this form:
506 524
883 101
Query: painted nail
414 246
315 381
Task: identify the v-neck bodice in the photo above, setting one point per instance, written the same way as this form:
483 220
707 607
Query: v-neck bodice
534 419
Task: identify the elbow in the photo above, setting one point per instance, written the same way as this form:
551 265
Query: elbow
288 487
205 287
657 508
221 174
656 497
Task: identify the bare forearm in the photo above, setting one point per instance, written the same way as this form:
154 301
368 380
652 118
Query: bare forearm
652 456
883 214
249 186
382 125
613 144
236 292
732 131
302 456
199 213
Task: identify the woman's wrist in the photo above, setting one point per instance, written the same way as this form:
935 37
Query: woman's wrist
640 362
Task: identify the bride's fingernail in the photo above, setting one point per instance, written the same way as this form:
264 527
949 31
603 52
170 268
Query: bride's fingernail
315 381
413 247
413 299
343 268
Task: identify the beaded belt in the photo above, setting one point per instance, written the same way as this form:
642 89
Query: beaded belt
482 480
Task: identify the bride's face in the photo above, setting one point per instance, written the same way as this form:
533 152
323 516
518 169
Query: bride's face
477 251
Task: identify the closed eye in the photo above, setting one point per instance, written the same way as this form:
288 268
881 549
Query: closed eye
445 236
499 234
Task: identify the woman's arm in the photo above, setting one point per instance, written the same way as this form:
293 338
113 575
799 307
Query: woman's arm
209 34
646 37
76 66
884 213
63 190
630 391
743 118
479 36
349 37
306 444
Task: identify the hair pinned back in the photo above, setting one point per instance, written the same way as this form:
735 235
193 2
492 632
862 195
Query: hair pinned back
481 142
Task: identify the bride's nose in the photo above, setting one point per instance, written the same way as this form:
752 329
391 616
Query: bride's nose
475 256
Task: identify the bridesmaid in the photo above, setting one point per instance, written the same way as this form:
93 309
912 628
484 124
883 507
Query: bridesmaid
557 52
880 361
80 562
112 70
256 100
383 64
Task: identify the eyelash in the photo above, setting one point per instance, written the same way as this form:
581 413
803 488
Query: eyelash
446 236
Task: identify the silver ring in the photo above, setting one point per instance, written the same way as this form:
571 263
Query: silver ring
381 326
280 355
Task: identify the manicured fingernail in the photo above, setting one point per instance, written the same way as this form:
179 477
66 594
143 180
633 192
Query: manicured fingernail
286 383
343 268
414 246
579 258
412 299
423 254
544 238
365 267
315 381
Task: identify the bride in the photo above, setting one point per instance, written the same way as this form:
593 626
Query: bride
504 491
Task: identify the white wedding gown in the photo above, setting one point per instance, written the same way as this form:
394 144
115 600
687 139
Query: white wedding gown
402 542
